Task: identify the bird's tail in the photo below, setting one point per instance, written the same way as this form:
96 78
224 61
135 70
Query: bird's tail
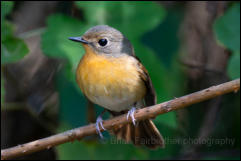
143 133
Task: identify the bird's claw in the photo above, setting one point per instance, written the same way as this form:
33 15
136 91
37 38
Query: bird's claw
131 113
98 124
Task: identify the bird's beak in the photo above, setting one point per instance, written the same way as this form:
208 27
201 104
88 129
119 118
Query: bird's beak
78 39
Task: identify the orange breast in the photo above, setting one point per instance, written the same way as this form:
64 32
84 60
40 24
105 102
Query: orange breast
113 83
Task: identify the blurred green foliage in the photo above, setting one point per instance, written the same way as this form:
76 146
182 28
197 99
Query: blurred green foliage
12 48
227 30
55 41
6 8
153 32
234 66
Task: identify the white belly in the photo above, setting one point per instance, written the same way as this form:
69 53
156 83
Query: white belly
114 103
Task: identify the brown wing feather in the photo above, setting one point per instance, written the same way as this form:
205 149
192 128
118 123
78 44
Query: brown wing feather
145 132
150 97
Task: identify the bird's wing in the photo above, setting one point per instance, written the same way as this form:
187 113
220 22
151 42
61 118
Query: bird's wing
150 97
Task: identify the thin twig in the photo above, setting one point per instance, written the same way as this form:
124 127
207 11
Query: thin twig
141 114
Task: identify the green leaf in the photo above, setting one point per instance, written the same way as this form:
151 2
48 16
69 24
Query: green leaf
128 17
12 48
55 42
166 45
234 66
227 28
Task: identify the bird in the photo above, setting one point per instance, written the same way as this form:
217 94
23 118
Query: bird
110 75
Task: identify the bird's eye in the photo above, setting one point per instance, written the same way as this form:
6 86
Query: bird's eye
102 42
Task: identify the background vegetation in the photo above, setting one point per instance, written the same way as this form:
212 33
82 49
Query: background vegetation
39 95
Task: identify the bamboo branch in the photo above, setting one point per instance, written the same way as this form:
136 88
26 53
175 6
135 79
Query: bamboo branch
141 114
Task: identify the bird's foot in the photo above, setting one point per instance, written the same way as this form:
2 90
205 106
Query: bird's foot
131 113
98 124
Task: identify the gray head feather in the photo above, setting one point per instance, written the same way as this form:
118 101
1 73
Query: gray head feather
117 44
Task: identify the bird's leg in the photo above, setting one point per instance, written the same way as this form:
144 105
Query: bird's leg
131 113
99 122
